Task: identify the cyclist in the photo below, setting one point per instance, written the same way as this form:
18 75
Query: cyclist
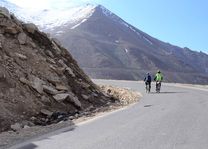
158 78
148 81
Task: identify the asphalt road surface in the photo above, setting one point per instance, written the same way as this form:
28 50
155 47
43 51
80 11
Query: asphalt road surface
176 118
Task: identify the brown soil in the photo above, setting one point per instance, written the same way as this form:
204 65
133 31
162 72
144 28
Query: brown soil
40 82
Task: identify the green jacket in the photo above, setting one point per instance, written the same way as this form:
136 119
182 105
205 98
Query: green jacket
158 77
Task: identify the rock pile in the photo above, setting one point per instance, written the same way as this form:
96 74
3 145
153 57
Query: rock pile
39 76
124 96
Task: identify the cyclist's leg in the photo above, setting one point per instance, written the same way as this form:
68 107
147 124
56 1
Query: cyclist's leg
156 86
148 89
160 86
149 86
146 86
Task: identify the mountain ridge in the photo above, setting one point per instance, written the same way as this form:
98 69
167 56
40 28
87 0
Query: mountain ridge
108 47
114 44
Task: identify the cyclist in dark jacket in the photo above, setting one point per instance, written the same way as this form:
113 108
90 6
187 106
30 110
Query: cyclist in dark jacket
148 80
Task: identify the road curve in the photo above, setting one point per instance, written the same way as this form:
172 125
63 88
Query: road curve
174 119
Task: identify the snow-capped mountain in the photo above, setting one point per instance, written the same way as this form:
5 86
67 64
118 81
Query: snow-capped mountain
47 19
50 18
106 46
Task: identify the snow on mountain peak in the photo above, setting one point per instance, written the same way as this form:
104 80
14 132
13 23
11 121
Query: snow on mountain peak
50 18
73 15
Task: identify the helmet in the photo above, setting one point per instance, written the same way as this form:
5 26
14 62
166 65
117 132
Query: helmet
158 71
148 73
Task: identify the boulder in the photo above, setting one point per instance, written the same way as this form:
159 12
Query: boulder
73 99
30 27
49 53
62 64
21 56
69 72
56 49
22 38
33 118
37 85
60 97
4 12
46 112
24 81
27 123
45 99
12 30
61 87
34 82
85 96
26 127
50 90
16 127
2 38
54 80
51 61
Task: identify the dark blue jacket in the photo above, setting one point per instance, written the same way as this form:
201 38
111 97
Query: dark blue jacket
148 78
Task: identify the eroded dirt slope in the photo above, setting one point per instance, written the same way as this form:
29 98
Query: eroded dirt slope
38 77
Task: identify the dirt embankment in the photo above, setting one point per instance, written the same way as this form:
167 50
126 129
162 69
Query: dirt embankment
40 82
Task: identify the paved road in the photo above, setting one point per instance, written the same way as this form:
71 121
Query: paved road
177 118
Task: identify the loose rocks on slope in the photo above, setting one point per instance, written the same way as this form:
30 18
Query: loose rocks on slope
39 75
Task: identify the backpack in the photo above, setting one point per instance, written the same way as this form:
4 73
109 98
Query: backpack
148 78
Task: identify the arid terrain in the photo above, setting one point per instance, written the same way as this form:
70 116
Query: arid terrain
40 82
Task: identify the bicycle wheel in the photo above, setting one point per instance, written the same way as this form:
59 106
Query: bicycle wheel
147 88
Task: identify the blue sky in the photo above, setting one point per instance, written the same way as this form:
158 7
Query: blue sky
180 22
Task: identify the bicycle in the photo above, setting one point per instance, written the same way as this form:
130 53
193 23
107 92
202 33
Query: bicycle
148 87
158 86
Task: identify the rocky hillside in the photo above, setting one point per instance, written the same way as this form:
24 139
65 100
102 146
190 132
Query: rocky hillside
106 46
38 77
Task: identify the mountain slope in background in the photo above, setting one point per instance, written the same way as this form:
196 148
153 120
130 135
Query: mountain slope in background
106 46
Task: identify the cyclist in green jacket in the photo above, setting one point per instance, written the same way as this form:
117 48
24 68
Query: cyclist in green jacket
158 78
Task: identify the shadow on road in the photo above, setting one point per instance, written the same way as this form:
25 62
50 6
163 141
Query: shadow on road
29 146
146 106
47 136
166 92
